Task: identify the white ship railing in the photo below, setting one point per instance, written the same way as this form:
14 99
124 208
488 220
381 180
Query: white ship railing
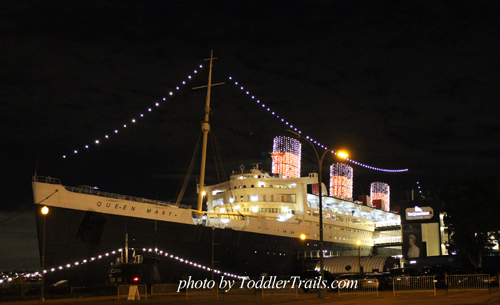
91 191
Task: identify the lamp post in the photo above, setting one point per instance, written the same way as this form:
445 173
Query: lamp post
359 255
321 292
45 211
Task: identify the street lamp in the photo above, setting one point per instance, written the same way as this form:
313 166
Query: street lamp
45 211
321 292
359 255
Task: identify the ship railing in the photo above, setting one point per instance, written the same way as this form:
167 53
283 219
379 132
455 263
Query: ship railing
247 171
90 191
48 180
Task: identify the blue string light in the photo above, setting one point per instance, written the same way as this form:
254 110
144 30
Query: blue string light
316 142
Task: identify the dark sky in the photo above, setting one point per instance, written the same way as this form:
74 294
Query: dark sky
397 84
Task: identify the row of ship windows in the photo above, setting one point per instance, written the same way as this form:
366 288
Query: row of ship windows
270 186
316 235
338 218
276 230
343 229
288 198
260 210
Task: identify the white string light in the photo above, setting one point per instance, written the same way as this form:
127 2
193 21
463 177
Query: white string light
166 254
312 140
134 120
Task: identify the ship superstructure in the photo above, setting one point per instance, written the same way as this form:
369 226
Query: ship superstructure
282 206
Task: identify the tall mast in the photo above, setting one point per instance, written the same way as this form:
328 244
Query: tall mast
205 128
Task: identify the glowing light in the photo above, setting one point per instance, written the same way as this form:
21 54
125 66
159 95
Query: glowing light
381 190
45 210
96 141
358 242
341 180
286 157
342 154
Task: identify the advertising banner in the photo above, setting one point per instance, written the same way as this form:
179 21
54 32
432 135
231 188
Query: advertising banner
412 241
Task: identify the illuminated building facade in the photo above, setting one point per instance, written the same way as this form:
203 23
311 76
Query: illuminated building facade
286 157
380 195
341 180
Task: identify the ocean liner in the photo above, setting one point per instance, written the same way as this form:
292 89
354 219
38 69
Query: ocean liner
256 222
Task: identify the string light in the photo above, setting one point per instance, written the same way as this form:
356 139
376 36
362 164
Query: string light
286 157
167 255
319 144
157 104
420 191
273 114
341 180
381 190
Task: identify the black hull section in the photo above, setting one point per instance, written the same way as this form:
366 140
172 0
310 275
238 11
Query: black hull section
73 236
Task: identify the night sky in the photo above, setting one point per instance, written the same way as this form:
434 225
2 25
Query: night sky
398 85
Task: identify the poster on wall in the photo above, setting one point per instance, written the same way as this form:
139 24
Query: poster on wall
412 241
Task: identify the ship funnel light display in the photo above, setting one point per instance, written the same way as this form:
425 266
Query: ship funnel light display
381 191
286 157
341 180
